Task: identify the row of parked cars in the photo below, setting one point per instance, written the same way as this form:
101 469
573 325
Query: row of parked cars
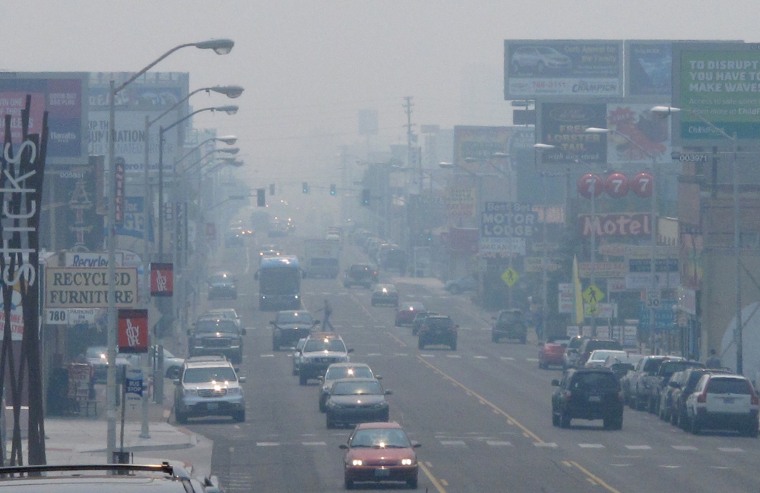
600 378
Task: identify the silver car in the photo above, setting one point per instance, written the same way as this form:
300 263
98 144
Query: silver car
208 386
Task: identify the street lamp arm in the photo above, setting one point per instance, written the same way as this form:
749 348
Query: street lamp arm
220 46
190 115
223 89
226 139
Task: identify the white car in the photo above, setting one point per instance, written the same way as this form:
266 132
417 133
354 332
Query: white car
537 59
598 357
723 401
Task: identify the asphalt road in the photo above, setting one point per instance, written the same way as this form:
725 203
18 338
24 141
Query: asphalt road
482 413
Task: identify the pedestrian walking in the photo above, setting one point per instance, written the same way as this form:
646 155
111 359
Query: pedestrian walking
327 311
713 361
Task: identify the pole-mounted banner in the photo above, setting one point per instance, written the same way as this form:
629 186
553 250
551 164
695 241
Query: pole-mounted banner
133 331
161 279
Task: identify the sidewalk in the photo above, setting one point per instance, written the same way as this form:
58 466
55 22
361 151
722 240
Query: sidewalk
82 440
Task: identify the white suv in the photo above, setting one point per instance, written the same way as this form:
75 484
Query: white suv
208 386
723 401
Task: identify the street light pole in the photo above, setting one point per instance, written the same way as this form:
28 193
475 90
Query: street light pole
219 46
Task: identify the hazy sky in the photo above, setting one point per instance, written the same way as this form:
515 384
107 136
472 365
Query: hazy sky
308 66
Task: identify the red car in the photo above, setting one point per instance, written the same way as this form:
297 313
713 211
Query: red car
377 452
407 311
551 353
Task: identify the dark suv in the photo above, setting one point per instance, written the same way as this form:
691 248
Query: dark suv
509 324
587 393
212 336
437 329
222 285
360 275
289 326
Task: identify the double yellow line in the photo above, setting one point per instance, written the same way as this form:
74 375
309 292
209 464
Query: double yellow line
592 478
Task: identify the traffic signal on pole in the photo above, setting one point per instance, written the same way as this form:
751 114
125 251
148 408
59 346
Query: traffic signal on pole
271 189
365 197
305 186
261 199
333 190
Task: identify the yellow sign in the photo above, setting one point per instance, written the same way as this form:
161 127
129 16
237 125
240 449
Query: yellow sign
593 295
510 277
591 309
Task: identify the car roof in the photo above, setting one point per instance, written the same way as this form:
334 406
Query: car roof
378 424
324 335
348 365
207 362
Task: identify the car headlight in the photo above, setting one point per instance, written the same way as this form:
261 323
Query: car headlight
407 462
357 462
234 391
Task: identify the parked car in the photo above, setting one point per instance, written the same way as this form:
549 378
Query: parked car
289 326
550 353
570 358
338 371
356 400
637 385
509 324
466 283
587 393
222 285
592 344
437 329
97 358
378 452
722 401
384 294
406 312
208 386
621 365
598 357
683 387
660 381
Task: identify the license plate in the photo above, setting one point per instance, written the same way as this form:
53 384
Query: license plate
382 473
212 406
729 400
594 398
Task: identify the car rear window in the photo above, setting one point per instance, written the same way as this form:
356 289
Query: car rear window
594 345
728 386
439 323
600 380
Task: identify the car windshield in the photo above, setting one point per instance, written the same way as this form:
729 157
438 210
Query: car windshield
357 388
336 372
294 317
216 326
96 352
324 345
510 317
220 278
211 374
380 438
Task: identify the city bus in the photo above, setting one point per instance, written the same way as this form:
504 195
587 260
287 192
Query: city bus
279 283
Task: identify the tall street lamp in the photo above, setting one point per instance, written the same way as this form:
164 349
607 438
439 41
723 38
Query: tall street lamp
666 111
230 110
653 295
220 47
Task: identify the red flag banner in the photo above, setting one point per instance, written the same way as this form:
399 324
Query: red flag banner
162 279
133 331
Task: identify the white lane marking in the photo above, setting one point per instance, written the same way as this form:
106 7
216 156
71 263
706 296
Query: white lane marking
532 360
374 354
546 445
498 443
621 465
731 449
424 355
453 443
267 444
314 444
453 355
267 355
400 354
684 447
638 447
669 466
480 357
591 445
507 358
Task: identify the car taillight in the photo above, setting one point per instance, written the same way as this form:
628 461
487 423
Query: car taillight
702 398
755 400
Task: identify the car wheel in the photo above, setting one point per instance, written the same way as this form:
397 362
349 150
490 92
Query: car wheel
564 420
322 407
651 406
302 379
295 371
329 422
618 424
555 419
349 484
414 331
494 337
542 365
275 345
180 417
752 429
239 416
453 345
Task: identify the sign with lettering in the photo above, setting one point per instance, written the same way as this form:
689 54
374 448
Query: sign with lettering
161 279
606 225
87 287
90 259
133 331
508 220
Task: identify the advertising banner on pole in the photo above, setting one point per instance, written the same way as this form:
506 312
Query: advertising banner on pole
133 331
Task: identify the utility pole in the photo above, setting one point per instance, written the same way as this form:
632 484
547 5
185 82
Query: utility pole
410 139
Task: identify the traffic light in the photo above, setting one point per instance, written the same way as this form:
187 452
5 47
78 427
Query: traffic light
305 187
365 197
333 190
271 189
261 199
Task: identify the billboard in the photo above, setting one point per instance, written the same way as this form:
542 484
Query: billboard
535 68
717 87
475 146
648 68
63 95
149 95
67 287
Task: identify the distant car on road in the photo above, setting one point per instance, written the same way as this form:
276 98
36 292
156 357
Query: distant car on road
437 329
360 275
222 285
587 393
456 286
289 326
338 371
385 294
356 400
509 324
406 312
550 353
